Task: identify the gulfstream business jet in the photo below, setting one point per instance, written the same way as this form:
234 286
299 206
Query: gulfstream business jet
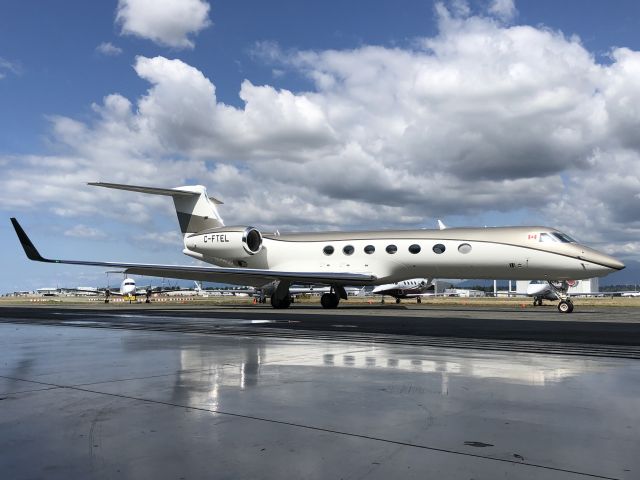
244 255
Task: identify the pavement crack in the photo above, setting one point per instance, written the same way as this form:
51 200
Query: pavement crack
342 433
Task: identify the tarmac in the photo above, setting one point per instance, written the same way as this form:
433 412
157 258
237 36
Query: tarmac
365 392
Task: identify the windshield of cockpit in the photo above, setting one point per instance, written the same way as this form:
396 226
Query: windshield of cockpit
556 237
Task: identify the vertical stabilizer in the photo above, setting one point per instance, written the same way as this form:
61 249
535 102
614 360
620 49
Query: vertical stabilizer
196 212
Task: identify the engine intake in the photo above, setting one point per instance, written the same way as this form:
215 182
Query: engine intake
252 240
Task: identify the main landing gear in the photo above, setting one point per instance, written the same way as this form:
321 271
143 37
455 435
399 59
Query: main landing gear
280 302
329 300
281 298
332 299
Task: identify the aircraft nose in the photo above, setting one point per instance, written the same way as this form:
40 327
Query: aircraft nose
615 264
602 259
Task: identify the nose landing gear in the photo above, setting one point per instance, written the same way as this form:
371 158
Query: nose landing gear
565 306
560 289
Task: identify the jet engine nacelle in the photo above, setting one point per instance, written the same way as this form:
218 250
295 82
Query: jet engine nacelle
230 243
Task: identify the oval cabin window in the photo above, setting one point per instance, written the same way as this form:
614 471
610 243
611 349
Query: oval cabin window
414 249
391 249
348 249
439 248
369 249
328 250
464 248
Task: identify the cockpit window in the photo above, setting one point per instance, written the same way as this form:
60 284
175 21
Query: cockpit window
563 237
546 237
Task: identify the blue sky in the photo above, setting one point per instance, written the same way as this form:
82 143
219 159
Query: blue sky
53 113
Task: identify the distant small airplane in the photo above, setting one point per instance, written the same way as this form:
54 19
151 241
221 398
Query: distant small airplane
127 290
411 288
243 255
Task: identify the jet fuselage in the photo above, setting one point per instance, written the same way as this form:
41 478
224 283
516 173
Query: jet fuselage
497 252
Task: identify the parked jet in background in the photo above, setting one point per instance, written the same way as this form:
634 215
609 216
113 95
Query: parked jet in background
412 288
242 255
542 291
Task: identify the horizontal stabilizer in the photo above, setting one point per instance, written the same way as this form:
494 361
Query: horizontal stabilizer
169 192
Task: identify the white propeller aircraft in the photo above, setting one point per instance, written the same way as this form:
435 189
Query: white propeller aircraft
411 288
243 255
127 289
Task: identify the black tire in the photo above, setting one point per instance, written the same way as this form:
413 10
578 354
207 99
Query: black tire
329 300
397 300
565 306
419 300
284 303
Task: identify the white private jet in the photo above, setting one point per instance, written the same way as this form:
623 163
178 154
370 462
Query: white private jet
411 288
540 291
242 255
543 291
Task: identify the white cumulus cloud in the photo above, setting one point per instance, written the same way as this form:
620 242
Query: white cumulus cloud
166 22
83 231
503 9
109 49
482 117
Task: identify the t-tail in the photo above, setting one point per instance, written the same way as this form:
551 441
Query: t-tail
195 209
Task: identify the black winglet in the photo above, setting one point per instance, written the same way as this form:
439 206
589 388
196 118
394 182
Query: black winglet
28 246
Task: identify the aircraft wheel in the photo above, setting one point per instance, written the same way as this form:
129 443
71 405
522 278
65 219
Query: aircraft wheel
419 300
284 303
397 300
565 306
329 300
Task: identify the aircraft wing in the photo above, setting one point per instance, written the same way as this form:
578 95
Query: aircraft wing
241 276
